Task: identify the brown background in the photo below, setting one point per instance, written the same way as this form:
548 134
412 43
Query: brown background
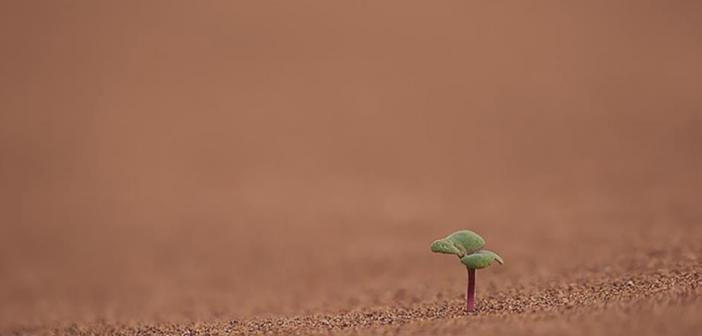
175 161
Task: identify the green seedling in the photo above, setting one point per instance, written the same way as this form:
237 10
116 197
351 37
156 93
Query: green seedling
467 245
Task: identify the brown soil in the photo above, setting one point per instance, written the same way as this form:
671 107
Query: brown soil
282 169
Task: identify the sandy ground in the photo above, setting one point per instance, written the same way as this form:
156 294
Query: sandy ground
282 168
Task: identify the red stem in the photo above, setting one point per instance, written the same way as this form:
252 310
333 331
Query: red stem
470 292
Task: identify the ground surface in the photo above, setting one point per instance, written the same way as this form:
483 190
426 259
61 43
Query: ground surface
282 169
618 267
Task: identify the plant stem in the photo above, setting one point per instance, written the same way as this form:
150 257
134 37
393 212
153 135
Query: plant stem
470 292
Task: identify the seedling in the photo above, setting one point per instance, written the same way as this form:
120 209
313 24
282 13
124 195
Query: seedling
467 246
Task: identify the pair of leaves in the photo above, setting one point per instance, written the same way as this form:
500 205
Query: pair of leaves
467 246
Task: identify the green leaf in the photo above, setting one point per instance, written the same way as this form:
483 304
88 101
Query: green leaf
459 243
445 246
481 259
467 241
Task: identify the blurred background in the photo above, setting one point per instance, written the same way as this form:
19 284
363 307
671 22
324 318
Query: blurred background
181 160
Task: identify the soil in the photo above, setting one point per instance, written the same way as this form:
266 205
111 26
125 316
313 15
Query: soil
282 169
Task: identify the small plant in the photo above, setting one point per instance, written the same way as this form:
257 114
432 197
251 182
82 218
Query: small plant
467 246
